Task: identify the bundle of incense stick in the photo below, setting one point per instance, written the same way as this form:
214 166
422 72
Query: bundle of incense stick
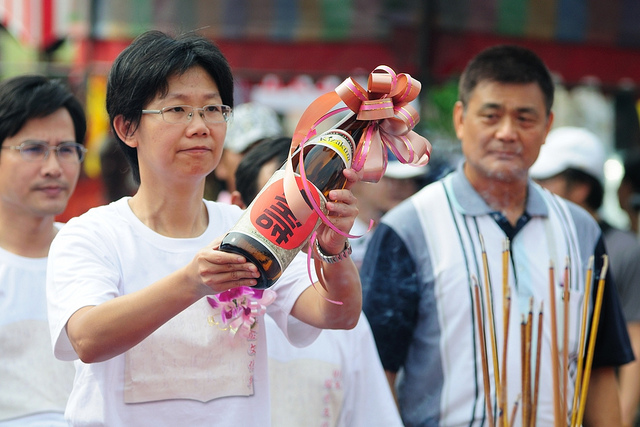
527 400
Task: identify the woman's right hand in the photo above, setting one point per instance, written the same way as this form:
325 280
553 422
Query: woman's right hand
218 271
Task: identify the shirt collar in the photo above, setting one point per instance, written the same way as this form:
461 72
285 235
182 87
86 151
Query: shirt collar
469 201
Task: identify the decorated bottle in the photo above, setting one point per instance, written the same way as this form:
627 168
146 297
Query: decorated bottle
268 233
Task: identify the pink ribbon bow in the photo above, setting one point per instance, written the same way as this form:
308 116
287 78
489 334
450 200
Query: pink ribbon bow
385 106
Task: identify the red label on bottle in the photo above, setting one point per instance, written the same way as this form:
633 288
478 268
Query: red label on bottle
272 217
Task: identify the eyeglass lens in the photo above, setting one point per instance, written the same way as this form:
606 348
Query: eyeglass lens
184 113
38 150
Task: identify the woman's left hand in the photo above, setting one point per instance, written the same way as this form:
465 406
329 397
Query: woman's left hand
342 212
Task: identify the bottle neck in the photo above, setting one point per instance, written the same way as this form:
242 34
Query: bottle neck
353 126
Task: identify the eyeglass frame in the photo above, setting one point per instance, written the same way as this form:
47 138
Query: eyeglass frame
80 149
226 115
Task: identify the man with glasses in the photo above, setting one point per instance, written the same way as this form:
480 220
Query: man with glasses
42 126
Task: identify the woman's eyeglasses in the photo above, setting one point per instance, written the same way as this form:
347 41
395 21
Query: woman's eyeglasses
184 113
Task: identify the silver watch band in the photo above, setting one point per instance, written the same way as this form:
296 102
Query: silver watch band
332 259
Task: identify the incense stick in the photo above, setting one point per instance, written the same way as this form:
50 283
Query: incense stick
527 366
505 283
554 346
483 353
534 407
504 401
506 313
514 410
581 343
490 319
592 339
565 340
523 363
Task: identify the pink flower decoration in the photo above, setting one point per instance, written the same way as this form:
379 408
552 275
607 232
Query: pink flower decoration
239 307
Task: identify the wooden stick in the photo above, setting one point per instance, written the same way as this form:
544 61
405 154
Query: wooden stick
554 347
514 411
506 318
592 339
504 402
582 338
527 365
565 339
505 282
490 320
536 384
483 353
523 363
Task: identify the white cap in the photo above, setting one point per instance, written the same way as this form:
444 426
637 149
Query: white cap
251 122
570 147
398 170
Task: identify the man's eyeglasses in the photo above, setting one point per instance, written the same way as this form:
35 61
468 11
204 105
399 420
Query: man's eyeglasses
184 113
31 151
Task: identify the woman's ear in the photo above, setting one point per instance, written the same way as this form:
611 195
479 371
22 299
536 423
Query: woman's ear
123 129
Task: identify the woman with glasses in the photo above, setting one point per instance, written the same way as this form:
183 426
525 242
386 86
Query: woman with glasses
129 282
42 126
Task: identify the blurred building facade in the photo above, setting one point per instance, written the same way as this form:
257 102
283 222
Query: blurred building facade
287 52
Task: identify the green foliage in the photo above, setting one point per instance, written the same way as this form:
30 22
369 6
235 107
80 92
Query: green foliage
436 116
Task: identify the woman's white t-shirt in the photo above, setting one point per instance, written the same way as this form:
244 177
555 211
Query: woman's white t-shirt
191 371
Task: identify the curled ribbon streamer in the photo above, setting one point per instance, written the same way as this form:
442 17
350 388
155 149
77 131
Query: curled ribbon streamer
384 105
315 206
239 308
315 114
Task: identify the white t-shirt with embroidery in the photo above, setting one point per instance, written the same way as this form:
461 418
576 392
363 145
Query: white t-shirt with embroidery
337 381
188 372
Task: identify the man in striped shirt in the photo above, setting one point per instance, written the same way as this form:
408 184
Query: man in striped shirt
441 265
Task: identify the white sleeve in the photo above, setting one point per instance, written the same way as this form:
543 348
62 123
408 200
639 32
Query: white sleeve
80 272
295 280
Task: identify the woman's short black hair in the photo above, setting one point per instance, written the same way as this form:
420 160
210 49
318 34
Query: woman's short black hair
142 70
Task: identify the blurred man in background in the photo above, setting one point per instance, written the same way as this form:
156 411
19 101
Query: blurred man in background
42 129
629 190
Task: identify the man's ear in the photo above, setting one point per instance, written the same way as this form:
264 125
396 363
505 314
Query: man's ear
236 199
458 118
124 132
